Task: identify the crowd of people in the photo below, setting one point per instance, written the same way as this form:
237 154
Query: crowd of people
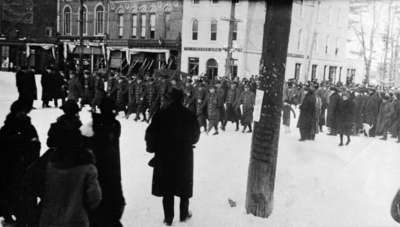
215 102
344 110
78 179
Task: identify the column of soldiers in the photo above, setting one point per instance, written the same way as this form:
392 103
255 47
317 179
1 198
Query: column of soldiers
215 102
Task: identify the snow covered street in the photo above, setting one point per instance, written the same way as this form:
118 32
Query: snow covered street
318 184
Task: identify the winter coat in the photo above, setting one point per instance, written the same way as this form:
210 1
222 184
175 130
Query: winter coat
26 85
75 89
71 190
20 147
384 119
47 83
359 102
64 126
307 112
232 105
88 90
247 99
99 92
345 116
395 126
213 104
287 109
112 88
105 146
371 109
122 93
331 119
171 136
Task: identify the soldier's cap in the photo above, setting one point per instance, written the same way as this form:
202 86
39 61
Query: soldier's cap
70 107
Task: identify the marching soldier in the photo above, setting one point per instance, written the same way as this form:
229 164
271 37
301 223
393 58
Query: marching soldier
247 99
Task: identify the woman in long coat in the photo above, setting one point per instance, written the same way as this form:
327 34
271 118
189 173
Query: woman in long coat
307 123
345 117
331 118
105 145
20 147
171 136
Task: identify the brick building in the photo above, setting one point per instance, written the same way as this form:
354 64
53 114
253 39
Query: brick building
95 30
27 33
145 33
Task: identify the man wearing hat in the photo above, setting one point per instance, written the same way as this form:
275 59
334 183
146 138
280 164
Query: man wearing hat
213 110
331 119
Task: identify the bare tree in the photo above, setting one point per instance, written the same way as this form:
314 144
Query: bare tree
365 30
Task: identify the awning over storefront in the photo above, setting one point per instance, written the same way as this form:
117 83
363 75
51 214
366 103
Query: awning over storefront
88 50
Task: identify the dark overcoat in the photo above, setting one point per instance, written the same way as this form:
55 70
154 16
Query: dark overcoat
307 112
20 147
26 85
171 136
345 116
371 109
331 119
105 146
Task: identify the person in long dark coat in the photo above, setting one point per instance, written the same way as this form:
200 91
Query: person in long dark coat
112 86
20 147
331 119
213 111
306 122
26 85
99 92
75 89
371 110
286 110
201 102
345 117
247 100
359 102
384 119
232 106
105 145
151 97
140 101
222 98
46 82
88 89
171 136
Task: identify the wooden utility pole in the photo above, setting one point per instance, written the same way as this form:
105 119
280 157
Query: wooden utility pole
81 37
232 22
264 147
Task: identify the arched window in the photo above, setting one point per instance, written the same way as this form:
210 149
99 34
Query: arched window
99 25
85 15
214 30
299 38
195 29
67 20
212 68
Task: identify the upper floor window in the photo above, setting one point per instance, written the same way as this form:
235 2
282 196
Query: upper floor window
301 9
299 39
214 1
143 26
326 44
195 29
99 25
120 25
134 25
167 20
67 21
196 1
214 30
152 26
235 30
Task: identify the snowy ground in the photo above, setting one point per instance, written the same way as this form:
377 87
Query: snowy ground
317 183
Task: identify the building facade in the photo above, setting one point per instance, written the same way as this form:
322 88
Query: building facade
127 34
145 33
27 33
205 37
317 42
94 30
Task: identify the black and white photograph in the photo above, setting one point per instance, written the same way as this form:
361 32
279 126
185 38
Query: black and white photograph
199 113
